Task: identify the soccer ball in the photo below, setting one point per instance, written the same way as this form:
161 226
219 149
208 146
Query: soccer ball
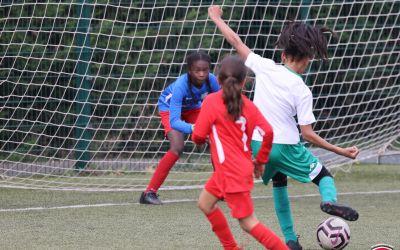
333 234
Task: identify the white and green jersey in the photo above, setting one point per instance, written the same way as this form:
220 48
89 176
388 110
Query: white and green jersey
280 94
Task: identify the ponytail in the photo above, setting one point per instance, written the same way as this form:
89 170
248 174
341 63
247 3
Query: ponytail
232 94
231 75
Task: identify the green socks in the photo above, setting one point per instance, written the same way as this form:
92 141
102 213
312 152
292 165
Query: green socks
282 210
327 189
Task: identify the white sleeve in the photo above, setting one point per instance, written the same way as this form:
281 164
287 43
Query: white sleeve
258 64
304 107
257 135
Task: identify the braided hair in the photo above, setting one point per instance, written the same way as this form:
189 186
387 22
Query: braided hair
300 40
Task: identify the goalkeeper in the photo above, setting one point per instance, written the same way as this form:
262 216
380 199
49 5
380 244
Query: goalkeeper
281 94
179 105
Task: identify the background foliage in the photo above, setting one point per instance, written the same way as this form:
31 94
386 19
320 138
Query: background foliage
133 49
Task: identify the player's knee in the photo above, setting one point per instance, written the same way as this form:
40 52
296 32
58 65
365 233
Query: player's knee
248 223
177 149
176 142
279 180
200 205
244 226
323 173
205 208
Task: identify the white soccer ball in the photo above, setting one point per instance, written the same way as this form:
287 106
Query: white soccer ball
333 234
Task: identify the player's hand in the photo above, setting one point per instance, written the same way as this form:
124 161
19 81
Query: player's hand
214 12
351 152
258 169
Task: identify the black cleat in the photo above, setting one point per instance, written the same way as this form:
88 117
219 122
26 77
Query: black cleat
294 245
150 198
339 210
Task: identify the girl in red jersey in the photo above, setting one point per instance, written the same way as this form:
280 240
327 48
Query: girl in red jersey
228 118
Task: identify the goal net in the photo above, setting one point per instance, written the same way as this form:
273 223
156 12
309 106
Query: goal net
80 81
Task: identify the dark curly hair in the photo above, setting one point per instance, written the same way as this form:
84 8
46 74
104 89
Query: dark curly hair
299 40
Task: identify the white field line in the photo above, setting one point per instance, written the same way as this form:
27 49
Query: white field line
180 201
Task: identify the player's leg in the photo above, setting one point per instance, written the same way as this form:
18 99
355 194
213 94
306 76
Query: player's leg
280 194
300 164
207 204
241 207
283 211
326 185
176 141
327 190
262 233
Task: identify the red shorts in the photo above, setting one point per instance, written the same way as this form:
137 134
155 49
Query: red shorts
240 204
189 116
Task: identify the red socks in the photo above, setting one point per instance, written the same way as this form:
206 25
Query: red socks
220 226
162 171
267 238
260 232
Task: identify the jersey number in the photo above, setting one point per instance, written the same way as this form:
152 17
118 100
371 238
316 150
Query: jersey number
242 121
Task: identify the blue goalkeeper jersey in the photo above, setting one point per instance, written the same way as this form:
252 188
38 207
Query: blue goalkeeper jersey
177 98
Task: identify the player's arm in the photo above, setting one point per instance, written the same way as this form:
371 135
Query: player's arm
215 13
175 112
265 129
313 138
305 116
202 127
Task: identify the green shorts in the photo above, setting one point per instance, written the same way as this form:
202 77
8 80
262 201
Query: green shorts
293 160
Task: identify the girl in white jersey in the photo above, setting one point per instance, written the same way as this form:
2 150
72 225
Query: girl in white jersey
281 94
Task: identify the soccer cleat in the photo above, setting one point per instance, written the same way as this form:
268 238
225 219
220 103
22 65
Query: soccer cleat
150 198
339 210
294 245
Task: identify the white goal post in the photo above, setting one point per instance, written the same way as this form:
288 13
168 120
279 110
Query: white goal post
80 81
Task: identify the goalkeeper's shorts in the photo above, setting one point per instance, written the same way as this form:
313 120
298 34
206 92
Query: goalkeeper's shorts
189 116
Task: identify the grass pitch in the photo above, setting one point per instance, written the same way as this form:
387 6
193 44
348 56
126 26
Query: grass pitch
32 219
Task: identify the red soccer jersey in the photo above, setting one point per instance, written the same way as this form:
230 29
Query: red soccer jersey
230 141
